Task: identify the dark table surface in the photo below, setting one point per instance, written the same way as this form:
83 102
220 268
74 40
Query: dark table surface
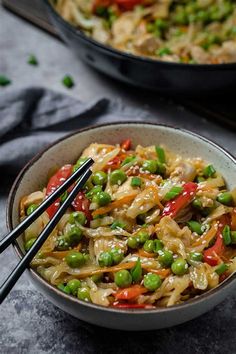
29 323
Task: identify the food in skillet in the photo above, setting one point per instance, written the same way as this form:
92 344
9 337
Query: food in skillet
149 229
188 31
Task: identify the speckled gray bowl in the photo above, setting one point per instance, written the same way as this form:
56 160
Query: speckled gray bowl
34 177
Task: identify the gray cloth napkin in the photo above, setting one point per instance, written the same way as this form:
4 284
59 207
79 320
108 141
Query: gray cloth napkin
32 118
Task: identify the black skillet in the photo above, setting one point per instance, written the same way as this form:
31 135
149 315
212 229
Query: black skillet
169 78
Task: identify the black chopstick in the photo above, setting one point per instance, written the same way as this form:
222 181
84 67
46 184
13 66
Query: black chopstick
8 239
25 261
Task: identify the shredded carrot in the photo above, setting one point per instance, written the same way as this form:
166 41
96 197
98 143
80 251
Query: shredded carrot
113 269
116 204
162 272
205 239
143 253
62 254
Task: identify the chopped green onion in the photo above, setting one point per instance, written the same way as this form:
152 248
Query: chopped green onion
161 154
63 196
163 51
195 227
173 193
136 271
68 81
136 182
221 268
233 237
32 60
128 160
225 198
209 171
226 235
4 81
118 224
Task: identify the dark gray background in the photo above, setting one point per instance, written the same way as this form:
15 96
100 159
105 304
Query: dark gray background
28 322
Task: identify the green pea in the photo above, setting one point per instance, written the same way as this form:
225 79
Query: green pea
68 81
105 259
117 177
225 198
4 80
202 16
75 259
74 285
77 216
74 235
123 278
161 24
226 235
150 166
165 258
99 178
152 281
136 182
209 171
164 51
158 246
61 286
181 18
32 60
96 278
179 266
84 294
102 198
195 227
160 154
173 192
93 192
142 236
67 290
233 237
81 160
197 204
117 255
132 242
62 243
221 268
29 243
118 224
136 272
196 256
149 246
31 209
128 160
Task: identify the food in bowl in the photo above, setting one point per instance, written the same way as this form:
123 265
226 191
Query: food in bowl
196 31
149 229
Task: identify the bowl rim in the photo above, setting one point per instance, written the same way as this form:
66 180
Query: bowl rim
117 52
189 303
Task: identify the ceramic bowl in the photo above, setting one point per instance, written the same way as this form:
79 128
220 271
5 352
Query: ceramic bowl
34 177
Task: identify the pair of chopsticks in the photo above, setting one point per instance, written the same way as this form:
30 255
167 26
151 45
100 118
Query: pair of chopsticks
83 173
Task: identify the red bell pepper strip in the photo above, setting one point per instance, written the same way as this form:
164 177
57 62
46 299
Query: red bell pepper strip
130 293
56 181
212 254
113 164
173 207
128 4
126 144
81 203
132 306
